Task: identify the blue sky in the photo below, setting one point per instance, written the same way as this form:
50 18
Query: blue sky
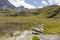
36 3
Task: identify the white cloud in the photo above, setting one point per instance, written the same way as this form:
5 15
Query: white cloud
28 6
40 6
44 2
50 1
57 2
18 3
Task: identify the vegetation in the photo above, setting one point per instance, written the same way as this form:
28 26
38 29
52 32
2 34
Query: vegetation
35 38
11 20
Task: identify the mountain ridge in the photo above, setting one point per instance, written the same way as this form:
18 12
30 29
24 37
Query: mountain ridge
4 4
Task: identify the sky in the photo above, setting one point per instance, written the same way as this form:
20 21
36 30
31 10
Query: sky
32 4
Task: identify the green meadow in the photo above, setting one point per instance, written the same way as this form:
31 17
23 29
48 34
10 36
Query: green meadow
12 20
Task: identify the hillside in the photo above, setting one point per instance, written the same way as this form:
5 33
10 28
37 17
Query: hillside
48 17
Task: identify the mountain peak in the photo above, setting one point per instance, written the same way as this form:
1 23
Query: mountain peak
6 4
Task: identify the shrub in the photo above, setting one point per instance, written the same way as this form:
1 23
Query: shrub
35 38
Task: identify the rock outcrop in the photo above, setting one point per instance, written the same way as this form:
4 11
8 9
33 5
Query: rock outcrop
27 35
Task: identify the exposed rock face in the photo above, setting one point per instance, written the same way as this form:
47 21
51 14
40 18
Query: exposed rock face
4 4
38 30
27 35
49 37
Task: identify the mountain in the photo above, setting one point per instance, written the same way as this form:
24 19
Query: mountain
48 17
22 8
48 11
6 4
52 11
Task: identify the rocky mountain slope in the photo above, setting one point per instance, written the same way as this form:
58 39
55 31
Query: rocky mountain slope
4 4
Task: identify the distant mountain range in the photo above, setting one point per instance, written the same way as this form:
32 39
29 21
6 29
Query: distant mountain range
6 4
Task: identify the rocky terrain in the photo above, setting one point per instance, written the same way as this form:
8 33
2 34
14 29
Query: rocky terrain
27 35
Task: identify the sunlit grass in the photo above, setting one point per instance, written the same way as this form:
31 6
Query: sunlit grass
33 18
31 21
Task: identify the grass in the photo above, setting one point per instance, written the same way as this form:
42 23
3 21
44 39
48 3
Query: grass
35 38
34 18
26 23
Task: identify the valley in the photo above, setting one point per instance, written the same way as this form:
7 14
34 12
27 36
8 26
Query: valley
47 18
